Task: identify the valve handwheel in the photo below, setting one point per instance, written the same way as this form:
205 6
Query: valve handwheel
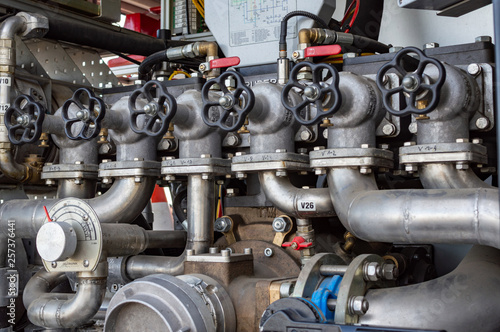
24 120
324 96
413 85
89 116
160 108
229 102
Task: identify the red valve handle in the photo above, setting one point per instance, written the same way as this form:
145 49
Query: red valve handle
322 50
298 243
224 62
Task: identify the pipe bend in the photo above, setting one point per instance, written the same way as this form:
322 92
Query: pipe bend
287 198
446 176
12 26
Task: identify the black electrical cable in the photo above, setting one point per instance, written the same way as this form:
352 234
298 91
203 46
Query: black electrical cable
284 25
369 45
121 55
148 63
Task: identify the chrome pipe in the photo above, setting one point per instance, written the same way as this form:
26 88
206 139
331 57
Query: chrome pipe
288 198
446 176
461 301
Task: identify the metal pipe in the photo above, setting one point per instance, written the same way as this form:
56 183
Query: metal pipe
446 176
201 212
53 310
68 188
288 198
447 303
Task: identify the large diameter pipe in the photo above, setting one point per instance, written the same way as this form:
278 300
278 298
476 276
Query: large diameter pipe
415 215
446 176
447 303
53 310
201 212
288 198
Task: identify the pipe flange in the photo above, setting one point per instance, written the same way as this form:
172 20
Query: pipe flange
69 171
443 153
129 168
257 162
351 157
186 166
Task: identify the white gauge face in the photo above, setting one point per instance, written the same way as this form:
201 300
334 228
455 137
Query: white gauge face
86 224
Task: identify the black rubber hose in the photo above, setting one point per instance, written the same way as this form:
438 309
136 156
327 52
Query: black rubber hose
369 45
148 63
284 24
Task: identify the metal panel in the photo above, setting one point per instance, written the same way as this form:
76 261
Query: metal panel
93 67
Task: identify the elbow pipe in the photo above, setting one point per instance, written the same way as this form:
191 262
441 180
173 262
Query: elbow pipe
287 198
53 310
201 211
13 170
431 304
446 176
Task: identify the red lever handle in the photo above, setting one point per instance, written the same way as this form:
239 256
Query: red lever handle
322 50
298 243
224 62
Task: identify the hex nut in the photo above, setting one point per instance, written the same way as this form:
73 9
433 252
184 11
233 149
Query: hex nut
268 252
279 224
411 168
389 271
370 271
365 170
280 174
222 225
358 305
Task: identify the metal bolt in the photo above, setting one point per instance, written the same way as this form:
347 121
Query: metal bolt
357 305
53 264
23 120
385 79
302 150
280 150
410 143
482 123
230 192
248 251
319 171
222 225
431 45
411 168
225 253
150 109
139 82
389 271
240 153
50 182
286 289
230 82
205 176
78 181
281 174
413 127
240 175
325 134
169 178
226 101
138 179
365 146
350 55
462 140
295 54
306 135
477 141
365 170
483 39
268 252
233 140
86 263
213 250
384 146
138 159
311 92
389 129
319 148
410 83
395 49
279 224
106 180
462 166
474 69
207 155
203 67
190 252
83 115
370 271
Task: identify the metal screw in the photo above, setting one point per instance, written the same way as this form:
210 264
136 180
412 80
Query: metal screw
226 101
225 253
231 192
474 69
86 263
169 178
233 140
410 143
190 252
413 127
482 123
370 271
365 170
240 175
462 166
106 180
53 264
306 135
411 168
483 39
205 176
462 140
388 271
248 251
50 182
319 148
78 181
384 146
213 250
389 129
357 305
268 252
311 92
319 171
207 155
280 150
431 45
302 150
477 141
281 174
138 179
150 109
295 54
203 67
222 225
365 146
279 224
240 153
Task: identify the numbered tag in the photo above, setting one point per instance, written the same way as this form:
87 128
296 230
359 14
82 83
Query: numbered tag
4 107
306 206
5 81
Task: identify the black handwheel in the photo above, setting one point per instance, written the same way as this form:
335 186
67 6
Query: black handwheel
324 96
229 102
89 116
160 108
413 84
24 120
